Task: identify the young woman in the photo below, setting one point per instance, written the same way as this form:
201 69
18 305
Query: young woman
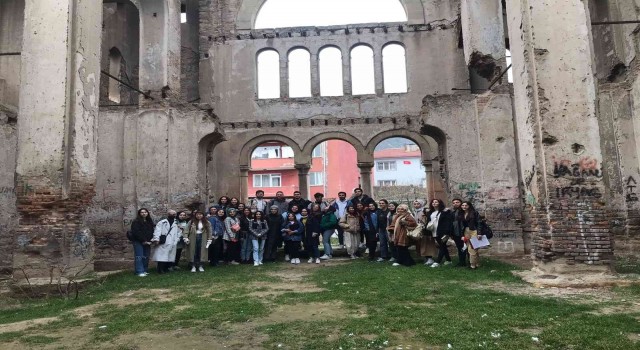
223 203
312 233
328 224
274 236
198 236
217 231
245 235
442 220
370 229
233 203
426 245
142 229
232 237
350 223
469 219
292 236
393 206
165 239
402 223
258 227
183 219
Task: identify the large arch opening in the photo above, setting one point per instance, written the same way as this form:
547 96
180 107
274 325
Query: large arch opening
273 170
399 174
333 169
295 13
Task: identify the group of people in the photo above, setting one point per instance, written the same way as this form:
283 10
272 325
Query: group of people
237 233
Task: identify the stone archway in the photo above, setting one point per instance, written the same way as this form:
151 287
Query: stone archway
250 8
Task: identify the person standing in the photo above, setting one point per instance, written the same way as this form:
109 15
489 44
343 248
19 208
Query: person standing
232 237
441 219
312 233
258 227
402 223
393 206
212 211
319 200
359 197
350 223
458 232
217 232
299 201
370 220
259 202
426 245
223 203
183 219
274 236
469 218
292 235
280 202
328 225
383 236
166 236
142 229
341 205
198 237
246 246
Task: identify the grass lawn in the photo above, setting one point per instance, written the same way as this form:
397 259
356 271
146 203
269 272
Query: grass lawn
336 305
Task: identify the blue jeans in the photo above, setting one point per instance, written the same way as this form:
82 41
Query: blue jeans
383 236
326 242
246 249
313 251
197 256
258 250
141 254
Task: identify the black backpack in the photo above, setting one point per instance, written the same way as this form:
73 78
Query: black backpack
485 229
129 236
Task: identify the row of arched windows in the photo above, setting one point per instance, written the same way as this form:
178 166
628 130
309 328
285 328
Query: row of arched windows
330 71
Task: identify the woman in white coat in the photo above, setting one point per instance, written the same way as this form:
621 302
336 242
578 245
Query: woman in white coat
165 247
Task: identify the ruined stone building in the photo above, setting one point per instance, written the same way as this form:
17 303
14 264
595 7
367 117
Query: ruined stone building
551 159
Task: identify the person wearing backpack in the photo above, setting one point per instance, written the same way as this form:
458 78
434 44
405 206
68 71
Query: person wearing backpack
328 224
440 220
166 236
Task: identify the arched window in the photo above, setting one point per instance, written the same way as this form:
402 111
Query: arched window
115 62
330 66
299 73
269 74
296 13
362 71
394 68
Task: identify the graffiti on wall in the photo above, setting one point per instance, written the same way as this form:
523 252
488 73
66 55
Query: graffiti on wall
630 189
469 190
578 173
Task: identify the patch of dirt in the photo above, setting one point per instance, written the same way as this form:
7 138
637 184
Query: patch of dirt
625 308
170 340
579 295
273 289
24 325
634 337
406 341
132 297
308 312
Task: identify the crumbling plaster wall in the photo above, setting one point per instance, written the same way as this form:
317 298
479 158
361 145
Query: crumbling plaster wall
8 212
146 158
11 27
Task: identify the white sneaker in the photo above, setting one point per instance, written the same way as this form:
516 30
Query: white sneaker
435 264
260 263
142 275
201 269
447 263
146 273
286 257
362 245
392 260
395 264
318 261
325 257
429 262
341 246
353 257
310 261
193 269
293 261
380 260
256 264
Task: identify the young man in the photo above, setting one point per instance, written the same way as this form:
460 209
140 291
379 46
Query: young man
319 201
341 205
259 202
280 202
299 201
383 235
458 232
359 197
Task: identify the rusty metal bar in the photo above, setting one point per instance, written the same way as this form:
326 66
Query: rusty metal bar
127 85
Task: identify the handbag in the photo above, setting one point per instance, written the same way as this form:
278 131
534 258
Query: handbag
416 232
163 239
431 226
235 227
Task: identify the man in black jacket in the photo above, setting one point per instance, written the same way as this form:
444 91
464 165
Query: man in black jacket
383 235
299 201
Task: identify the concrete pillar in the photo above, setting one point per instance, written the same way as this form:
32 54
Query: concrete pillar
284 75
431 180
378 71
315 75
303 179
559 143
484 46
56 163
365 177
244 182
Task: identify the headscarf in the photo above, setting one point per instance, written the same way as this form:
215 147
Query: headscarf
418 213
